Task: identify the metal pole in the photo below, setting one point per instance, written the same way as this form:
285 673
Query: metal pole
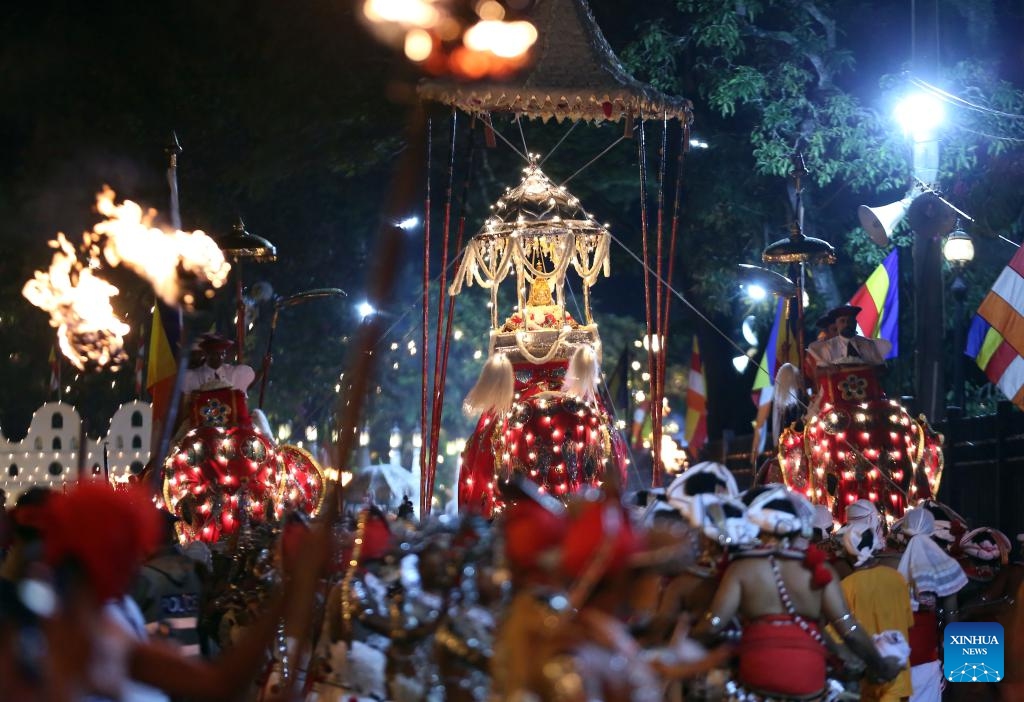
265 371
959 291
239 312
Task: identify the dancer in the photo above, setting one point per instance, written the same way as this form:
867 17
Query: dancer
782 594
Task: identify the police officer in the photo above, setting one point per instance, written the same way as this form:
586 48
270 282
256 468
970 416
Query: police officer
168 592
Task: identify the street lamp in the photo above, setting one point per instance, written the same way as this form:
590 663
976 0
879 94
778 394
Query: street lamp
958 251
920 115
959 248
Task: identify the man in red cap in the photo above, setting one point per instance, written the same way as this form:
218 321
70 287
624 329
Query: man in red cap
847 347
214 370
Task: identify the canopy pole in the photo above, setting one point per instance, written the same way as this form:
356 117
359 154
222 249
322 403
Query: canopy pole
439 410
642 157
425 461
438 385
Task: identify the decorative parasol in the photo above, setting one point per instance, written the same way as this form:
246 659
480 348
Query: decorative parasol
575 76
538 229
239 246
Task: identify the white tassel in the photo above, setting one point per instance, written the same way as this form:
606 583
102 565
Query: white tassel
581 377
494 389
786 396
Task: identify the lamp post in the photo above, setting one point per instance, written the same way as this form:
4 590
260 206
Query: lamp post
958 251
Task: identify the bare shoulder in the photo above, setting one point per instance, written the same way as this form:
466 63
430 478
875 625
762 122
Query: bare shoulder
746 568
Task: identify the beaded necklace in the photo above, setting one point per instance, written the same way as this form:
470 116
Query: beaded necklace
787 603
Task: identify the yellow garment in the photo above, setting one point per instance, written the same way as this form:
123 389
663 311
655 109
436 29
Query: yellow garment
879 599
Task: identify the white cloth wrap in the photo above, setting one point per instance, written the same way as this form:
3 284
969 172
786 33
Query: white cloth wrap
924 565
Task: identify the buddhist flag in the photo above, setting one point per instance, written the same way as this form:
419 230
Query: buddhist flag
879 300
162 363
782 347
996 337
696 404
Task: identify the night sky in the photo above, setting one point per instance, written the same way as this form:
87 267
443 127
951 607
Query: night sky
289 115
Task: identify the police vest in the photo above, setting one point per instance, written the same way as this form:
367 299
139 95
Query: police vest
168 593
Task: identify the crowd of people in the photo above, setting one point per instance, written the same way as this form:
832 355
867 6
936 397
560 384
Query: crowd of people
695 592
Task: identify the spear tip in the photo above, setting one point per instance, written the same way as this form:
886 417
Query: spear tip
173 146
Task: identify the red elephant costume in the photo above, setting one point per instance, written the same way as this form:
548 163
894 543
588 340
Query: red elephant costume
857 443
223 472
541 416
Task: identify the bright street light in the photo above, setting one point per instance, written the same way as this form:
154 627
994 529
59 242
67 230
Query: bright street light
365 309
920 115
756 292
409 222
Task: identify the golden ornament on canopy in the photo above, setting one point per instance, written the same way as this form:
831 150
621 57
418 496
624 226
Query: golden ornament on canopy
539 230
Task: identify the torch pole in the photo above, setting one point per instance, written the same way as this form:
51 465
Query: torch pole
239 313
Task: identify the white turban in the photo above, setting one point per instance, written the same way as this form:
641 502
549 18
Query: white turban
723 519
864 512
822 518
680 493
860 541
924 565
776 511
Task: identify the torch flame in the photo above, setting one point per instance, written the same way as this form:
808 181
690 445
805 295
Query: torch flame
79 299
79 305
157 256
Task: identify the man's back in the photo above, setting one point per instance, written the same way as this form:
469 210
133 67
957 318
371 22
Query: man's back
760 596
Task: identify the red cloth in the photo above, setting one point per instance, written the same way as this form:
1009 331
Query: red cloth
222 408
530 530
109 534
848 385
924 638
599 534
778 658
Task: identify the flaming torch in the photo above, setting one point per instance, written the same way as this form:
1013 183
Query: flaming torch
78 298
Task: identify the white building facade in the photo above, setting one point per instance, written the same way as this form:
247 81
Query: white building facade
50 455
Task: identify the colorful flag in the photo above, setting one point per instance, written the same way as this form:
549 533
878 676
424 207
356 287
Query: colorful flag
782 347
55 371
162 364
879 300
996 337
696 404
